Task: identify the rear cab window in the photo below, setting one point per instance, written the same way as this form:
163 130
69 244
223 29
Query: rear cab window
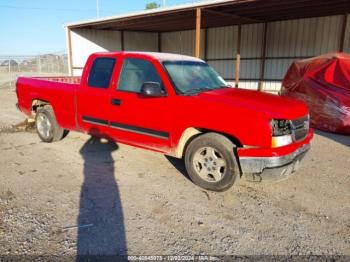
101 72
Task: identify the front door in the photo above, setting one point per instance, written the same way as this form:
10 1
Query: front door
134 118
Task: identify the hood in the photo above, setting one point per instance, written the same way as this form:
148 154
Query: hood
273 106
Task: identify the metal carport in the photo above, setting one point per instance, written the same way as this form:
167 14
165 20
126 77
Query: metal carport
251 42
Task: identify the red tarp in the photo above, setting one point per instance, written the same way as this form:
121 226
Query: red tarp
322 82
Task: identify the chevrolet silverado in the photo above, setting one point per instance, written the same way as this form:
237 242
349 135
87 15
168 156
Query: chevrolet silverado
177 105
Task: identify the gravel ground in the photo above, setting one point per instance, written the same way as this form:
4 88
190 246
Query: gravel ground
132 201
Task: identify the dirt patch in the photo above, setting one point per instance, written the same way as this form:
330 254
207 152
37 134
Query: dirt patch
7 195
24 126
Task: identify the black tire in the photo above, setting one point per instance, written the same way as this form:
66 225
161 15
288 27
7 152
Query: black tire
224 148
56 133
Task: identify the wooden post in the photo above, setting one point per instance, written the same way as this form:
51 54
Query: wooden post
343 32
198 33
122 44
238 56
263 56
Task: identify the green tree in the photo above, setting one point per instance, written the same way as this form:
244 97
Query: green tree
152 5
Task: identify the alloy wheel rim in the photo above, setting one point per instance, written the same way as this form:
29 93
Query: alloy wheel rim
209 164
44 126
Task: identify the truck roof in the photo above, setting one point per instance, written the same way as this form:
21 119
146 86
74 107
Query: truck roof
158 56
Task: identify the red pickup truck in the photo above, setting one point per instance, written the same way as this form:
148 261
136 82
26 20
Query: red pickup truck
177 105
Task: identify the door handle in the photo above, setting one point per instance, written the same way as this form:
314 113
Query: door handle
116 102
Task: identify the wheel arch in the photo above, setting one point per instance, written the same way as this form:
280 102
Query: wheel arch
192 132
36 103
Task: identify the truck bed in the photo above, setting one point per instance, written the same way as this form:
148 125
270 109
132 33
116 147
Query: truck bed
59 92
61 79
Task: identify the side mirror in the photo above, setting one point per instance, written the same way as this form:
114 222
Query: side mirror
152 89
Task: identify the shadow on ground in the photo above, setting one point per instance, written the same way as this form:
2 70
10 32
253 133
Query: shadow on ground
101 223
179 164
341 139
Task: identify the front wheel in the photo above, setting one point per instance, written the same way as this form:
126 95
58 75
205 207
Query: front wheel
211 163
47 126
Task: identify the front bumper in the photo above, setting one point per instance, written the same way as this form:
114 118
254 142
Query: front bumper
268 168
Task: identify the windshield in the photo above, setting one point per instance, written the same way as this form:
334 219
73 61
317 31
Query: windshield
191 77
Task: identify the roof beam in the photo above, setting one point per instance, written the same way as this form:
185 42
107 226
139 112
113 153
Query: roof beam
305 6
147 21
248 20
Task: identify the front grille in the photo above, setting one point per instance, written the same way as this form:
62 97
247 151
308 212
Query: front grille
300 128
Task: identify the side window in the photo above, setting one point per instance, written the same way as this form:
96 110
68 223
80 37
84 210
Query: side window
135 72
101 72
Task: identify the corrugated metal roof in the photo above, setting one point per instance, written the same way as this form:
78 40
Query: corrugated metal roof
216 13
150 12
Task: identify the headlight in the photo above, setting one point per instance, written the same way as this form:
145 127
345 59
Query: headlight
280 127
281 132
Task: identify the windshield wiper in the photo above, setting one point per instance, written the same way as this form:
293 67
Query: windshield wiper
226 86
197 90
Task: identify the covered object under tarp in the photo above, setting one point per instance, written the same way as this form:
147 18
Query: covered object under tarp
323 82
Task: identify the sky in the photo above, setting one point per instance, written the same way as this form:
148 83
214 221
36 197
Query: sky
31 27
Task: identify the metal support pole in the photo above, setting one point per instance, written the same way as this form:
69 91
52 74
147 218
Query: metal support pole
122 43
263 58
159 36
39 64
70 53
238 56
343 32
205 44
97 8
198 33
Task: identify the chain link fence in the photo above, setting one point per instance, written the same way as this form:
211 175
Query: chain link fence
42 65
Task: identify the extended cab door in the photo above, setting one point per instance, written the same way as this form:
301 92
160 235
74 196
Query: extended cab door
94 95
137 119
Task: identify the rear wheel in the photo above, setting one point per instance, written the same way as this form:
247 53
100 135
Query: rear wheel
47 126
211 163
